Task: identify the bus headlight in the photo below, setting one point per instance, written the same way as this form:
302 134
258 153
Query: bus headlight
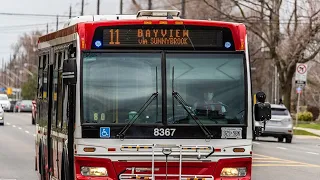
229 172
94 171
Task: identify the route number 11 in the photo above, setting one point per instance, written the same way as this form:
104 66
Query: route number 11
114 34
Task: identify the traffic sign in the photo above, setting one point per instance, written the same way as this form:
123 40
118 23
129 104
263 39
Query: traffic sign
104 132
301 73
9 91
299 90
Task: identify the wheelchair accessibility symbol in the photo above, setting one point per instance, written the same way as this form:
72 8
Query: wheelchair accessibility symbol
104 132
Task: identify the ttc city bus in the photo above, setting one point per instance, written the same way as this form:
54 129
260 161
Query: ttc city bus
146 96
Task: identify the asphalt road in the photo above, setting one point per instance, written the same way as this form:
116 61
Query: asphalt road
271 160
281 161
17 148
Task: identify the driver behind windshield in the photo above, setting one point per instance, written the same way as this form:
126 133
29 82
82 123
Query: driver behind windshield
208 105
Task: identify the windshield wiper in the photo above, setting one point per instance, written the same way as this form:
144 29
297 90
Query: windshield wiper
185 106
123 131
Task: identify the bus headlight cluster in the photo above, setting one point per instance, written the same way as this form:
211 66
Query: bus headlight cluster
94 171
229 172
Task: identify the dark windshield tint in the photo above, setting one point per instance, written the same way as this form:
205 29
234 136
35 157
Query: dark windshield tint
279 111
212 85
117 85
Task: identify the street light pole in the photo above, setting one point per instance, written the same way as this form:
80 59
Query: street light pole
98 7
82 7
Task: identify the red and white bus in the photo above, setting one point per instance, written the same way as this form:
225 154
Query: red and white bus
146 96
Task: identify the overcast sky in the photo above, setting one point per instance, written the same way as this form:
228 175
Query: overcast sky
13 26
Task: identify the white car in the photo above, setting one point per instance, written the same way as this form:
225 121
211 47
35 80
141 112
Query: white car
4 102
280 125
1 116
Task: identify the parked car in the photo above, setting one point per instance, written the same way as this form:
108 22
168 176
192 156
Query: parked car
34 112
1 116
280 125
23 106
4 102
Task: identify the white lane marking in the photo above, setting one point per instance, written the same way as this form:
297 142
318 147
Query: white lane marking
27 132
8 123
19 128
13 125
255 143
281 148
313 153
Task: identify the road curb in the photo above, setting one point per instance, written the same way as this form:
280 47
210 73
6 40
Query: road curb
305 137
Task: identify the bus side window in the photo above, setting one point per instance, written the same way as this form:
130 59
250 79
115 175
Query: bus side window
65 106
57 56
63 96
59 88
40 70
45 76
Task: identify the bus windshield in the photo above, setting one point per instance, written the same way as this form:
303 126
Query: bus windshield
209 87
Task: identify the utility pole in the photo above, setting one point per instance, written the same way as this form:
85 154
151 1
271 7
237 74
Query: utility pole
149 4
82 7
70 12
183 8
98 7
2 67
57 23
121 6
47 28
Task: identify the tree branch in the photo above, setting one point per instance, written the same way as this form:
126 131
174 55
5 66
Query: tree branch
251 26
137 6
295 18
312 56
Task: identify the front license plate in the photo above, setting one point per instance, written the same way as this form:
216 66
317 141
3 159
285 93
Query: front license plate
231 132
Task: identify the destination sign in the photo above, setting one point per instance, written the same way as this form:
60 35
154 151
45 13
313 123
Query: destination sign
163 36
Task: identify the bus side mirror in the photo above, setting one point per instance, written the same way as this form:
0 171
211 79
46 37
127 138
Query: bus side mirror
262 110
69 73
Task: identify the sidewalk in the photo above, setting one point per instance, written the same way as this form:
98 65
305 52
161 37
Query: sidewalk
314 131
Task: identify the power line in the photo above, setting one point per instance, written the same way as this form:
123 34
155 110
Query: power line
36 15
26 25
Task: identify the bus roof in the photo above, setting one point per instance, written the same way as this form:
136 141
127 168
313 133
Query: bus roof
85 25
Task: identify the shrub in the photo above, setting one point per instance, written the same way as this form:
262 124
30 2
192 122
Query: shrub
315 111
305 116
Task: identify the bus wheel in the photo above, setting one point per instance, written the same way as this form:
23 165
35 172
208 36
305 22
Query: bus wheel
43 170
64 167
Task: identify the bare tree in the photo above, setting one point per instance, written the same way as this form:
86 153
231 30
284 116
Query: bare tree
24 51
289 40
288 30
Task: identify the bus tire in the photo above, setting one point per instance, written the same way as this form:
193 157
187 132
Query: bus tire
64 167
43 170
39 158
